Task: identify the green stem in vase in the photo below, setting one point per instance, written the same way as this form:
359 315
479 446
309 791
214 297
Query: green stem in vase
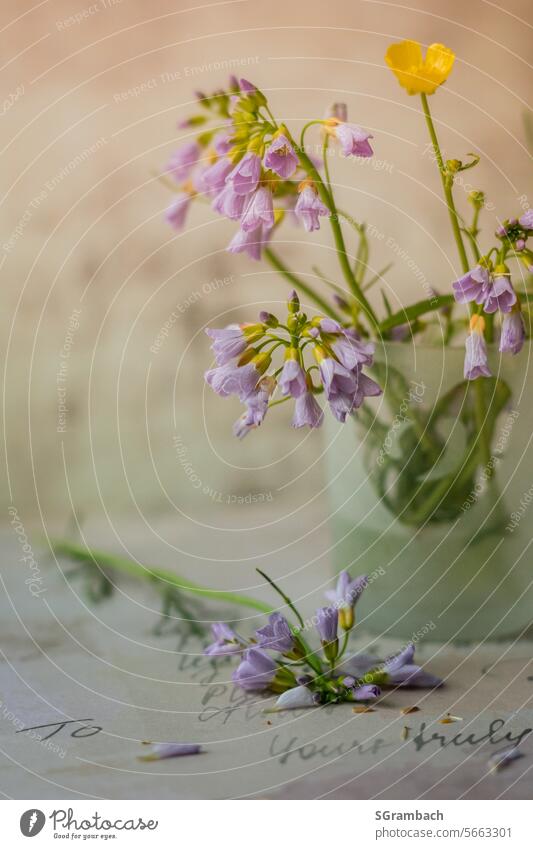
447 183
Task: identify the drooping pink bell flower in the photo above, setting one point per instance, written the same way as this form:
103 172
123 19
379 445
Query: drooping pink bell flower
229 203
307 412
213 178
513 332
244 177
501 295
281 158
292 380
176 213
237 379
258 210
183 160
353 140
249 242
308 209
473 286
476 361
256 407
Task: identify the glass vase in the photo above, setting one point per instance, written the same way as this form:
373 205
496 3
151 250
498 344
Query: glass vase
430 489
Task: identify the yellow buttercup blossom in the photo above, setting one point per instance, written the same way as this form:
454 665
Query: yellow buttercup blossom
416 74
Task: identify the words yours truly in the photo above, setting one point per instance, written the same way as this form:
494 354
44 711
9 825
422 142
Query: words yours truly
294 749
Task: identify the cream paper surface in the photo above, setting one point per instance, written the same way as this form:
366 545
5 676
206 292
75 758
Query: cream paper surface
102 671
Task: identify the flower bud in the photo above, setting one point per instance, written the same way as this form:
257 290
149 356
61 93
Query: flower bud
293 304
268 319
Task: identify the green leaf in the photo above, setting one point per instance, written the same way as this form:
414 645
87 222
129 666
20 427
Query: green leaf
409 314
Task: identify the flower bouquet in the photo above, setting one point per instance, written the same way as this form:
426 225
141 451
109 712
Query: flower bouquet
422 474
307 678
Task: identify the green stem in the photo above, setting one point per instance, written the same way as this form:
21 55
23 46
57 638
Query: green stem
342 254
296 281
284 596
447 183
150 573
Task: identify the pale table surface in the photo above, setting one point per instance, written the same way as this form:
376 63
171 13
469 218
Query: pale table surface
64 659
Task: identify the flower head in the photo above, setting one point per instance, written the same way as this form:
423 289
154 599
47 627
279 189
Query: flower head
400 671
183 160
513 332
237 379
257 671
473 286
309 207
232 341
280 157
476 362
226 641
347 347
501 295
307 411
229 203
277 635
366 692
248 241
212 179
244 177
256 407
416 74
258 210
292 380
354 140
327 620
176 214
345 596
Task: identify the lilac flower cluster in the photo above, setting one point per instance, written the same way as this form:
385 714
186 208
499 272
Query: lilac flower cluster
244 367
489 287
246 162
304 677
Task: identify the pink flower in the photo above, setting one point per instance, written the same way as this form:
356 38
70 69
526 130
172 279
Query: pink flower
307 412
176 214
501 295
354 140
245 176
258 210
229 203
292 380
213 178
249 242
281 158
183 160
308 209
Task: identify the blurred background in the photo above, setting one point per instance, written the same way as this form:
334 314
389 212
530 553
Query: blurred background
98 424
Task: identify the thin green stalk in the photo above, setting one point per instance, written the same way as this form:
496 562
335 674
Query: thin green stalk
310 656
294 280
342 254
447 183
150 573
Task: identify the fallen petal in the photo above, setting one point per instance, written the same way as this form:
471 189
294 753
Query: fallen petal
296 697
170 750
502 759
449 718
412 709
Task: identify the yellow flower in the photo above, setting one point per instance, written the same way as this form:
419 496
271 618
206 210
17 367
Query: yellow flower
416 74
